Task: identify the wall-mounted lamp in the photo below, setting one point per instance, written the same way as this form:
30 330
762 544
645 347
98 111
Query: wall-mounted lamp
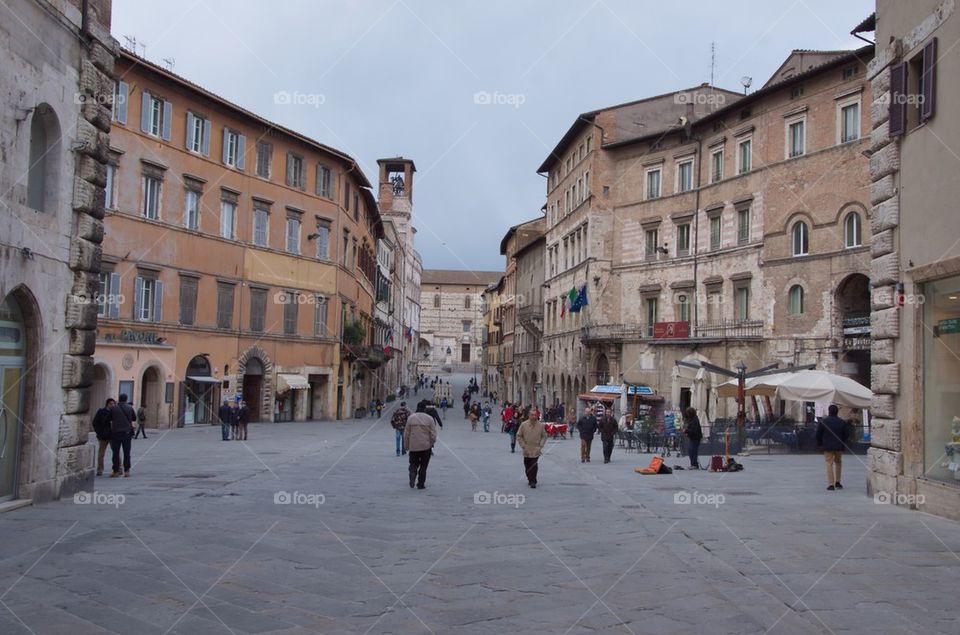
596 281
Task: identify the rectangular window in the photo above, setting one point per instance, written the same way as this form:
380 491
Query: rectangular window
261 224
716 166
651 306
850 122
323 240
466 326
295 174
225 305
685 176
715 227
346 197
683 239
188 300
264 159
653 184
324 181
344 260
652 243
258 309
320 317
198 134
151 198
682 307
743 225
109 190
293 235
108 296
121 93
796 138
356 206
744 156
231 147
228 219
290 313
940 373
155 116
148 296
191 210
743 303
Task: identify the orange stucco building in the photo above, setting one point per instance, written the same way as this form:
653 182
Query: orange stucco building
238 254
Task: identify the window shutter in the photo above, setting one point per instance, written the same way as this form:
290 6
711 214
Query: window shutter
145 101
241 151
113 306
898 101
157 301
137 291
206 138
189 135
226 134
167 120
123 94
289 170
929 80
319 188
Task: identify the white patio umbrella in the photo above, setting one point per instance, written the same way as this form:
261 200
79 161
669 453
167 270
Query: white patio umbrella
805 385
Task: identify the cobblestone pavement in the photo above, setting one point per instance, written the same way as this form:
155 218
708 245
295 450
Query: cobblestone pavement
312 528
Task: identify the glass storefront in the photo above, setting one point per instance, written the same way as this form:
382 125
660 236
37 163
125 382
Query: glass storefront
941 377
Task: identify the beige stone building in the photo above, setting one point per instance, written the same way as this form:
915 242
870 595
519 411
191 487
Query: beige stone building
56 95
491 339
724 234
528 306
516 239
451 320
915 271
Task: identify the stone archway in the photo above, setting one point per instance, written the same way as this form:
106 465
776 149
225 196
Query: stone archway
151 394
602 367
255 375
103 382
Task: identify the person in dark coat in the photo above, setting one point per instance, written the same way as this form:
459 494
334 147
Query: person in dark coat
243 418
141 422
607 426
694 435
832 435
234 421
431 410
587 425
101 426
225 414
122 417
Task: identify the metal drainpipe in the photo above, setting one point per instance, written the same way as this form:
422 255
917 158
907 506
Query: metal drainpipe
696 237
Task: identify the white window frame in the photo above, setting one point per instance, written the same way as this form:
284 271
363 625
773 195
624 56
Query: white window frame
799 309
232 151
741 142
858 238
680 231
323 230
156 116
719 220
741 310
196 135
194 196
678 185
258 216
646 183
292 242
788 125
804 238
713 156
228 210
110 189
148 287
647 233
842 103
151 197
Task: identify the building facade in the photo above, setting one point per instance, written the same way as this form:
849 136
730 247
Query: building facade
56 90
452 320
511 302
240 262
492 318
915 270
528 331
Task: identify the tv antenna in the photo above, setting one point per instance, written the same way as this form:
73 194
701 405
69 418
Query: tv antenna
170 63
746 81
713 60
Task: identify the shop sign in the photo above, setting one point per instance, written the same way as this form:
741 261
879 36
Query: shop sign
132 337
949 325
671 330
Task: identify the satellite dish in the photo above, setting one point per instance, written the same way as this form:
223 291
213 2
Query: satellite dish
746 81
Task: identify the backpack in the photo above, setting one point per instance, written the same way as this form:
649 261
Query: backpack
716 463
399 419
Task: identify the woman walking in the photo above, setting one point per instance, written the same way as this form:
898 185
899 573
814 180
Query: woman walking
695 434
511 427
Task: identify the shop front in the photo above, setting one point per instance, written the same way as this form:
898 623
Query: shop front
292 396
941 380
199 394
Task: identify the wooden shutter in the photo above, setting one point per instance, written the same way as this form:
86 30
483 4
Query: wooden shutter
137 291
898 99
929 80
226 136
205 144
319 188
113 296
189 135
157 301
167 120
145 103
123 93
241 152
289 169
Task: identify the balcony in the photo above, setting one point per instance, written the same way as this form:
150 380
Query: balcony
730 330
600 333
723 330
370 356
530 311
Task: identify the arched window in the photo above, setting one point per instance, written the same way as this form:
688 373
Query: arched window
796 300
852 230
801 239
436 300
44 159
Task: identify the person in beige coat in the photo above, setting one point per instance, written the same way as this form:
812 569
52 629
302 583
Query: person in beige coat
532 437
419 436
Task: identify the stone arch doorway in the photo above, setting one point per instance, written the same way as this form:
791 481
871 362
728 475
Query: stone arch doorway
256 379
253 387
102 386
151 394
852 301
19 338
602 369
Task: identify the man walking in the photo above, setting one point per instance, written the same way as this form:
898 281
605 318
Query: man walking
225 414
587 425
122 417
832 433
399 421
141 422
608 432
101 425
694 434
419 437
532 437
243 418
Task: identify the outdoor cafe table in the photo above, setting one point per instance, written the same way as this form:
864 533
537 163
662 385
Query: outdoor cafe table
555 429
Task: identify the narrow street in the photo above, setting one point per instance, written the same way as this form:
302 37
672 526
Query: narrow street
199 540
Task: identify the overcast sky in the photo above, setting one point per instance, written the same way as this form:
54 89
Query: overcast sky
380 78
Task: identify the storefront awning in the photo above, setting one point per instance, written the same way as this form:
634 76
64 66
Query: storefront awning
203 380
287 382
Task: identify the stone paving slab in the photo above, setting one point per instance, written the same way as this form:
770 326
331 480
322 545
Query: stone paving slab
595 549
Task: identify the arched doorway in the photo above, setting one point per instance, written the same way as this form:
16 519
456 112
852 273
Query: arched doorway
199 393
102 382
151 395
253 387
603 369
852 300
13 356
